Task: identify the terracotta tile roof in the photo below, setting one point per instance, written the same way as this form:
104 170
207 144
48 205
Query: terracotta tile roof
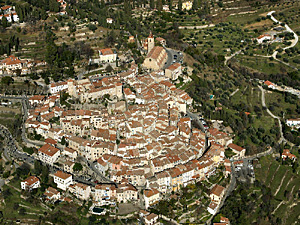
174 66
217 190
62 175
52 190
213 205
82 186
268 83
106 51
11 60
151 216
69 150
151 192
155 52
235 147
5 7
31 180
50 141
48 150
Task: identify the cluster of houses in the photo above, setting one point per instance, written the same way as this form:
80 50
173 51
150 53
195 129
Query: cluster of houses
12 64
9 13
147 142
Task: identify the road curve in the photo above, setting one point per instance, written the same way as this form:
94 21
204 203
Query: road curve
295 41
282 139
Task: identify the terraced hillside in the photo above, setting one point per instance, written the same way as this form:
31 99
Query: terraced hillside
284 186
272 199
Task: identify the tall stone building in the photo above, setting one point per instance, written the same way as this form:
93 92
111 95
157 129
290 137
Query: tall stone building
150 42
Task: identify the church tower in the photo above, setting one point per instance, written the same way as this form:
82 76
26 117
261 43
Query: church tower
150 42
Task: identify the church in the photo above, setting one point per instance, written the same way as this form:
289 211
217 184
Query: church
157 55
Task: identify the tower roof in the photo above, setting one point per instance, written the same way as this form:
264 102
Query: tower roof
150 35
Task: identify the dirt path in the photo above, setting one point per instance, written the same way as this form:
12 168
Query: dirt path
273 176
283 202
280 184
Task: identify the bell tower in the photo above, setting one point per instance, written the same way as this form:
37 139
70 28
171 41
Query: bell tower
150 42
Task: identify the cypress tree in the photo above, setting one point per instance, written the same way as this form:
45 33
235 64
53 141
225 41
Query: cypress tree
180 5
170 4
195 5
152 4
159 5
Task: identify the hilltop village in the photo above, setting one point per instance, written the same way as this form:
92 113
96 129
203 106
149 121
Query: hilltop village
136 130
149 112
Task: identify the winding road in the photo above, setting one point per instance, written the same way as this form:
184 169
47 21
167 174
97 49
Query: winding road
282 139
293 44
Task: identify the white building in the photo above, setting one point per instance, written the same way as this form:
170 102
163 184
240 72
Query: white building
105 192
48 154
80 190
30 183
107 55
293 122
52 194
212 208
173 71
269 84
11 64
264 37
63 180
151 197
109 20
58 87
239 151
187 5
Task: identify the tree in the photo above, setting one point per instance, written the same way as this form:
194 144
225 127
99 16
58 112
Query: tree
180 5
195 5
4 22
45 174
159 5
63 141
92 27
170 4
77 167
152 4
7 80
109 68
37 167
22 211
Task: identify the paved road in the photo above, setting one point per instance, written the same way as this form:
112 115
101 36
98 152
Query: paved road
197 27
296 38
170 60
11 150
